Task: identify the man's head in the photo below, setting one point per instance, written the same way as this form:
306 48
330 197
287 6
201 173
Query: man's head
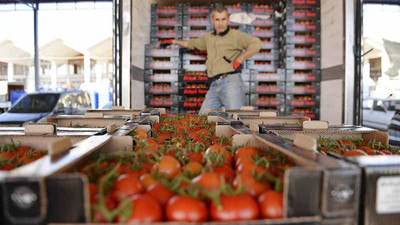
220 19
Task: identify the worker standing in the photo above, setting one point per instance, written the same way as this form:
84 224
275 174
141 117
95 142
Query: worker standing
226 50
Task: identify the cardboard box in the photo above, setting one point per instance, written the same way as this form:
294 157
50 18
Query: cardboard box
97 121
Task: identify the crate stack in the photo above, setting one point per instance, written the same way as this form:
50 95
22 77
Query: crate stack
163 66
193 85
301 52
267 81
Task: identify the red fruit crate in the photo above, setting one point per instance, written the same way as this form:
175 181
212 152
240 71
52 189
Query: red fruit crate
194 77
302 24
161 100
269 43
314 3
162 63
196 31
303 75
166 20
302 87
302 63
166 31
262 65
259 31
310 112
307 50
278 75
302 100
162 75
197 20
302 37
166 9
302 12
264 9
189 9
266 54
263 87
267 99
161 88
154 50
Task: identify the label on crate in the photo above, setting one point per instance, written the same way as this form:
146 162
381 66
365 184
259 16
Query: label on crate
302 103
157 90
304 39
300 90
166 10
190 104
300 77
166 22
202 91
162 52
161 103
267 77
304 14
165 33
263 33
304 27
262 10
162 78
388 195
303 52
198 10
306 65
267 102
190 91
267 89
263 22
195 78
198 21
162 64
302 2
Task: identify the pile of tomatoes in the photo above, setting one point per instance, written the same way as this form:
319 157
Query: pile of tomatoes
354 147
185 173
13 156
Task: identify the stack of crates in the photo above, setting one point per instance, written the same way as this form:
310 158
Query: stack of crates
301 56
163 66
193 86
267 81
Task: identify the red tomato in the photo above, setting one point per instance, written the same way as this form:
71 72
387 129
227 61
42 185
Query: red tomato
210 181
197 157
160 193
127 185
22 150
193 168
245 151
252 186
224 170
147 180
186 209
221 150
7 155
168 166
145 209
356 152
386 152
150 146
271 205
235 208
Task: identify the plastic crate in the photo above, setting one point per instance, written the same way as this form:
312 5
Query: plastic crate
302 50
161 100
303 75
308 37
158 88
189 65
278 75
315 3
156 40
271 87
153 50
262 65
302 100
196 31
162 63
193 9
166 20
247 85
235 8
266 54
166 9
302 11
302 24
310 112
302 63
166 32
302 87
267 100
258 31
245 75
269 43
162 75
264 9
196 20
195 55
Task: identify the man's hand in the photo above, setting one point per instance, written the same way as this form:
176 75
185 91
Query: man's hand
166 43
236 64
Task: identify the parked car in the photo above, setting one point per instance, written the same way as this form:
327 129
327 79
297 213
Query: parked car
35 107
377 113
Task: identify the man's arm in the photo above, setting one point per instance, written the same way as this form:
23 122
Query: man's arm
252 46
245 55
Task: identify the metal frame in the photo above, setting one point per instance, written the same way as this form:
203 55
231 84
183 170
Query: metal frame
117 53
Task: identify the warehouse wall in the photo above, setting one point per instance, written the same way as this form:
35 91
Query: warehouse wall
140 37
332 60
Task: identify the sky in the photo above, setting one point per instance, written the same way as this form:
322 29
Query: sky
380 21
80 25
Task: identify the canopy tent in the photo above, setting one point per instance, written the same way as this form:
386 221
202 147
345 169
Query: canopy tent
57 51
9 53
102 50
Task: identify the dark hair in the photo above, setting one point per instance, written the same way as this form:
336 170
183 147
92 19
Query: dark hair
220 9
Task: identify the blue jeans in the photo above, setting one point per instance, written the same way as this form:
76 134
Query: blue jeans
227 92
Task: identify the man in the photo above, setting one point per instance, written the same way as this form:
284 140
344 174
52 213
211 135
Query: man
225 55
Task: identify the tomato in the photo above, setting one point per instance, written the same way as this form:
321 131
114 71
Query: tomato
245 151
356 152
160 193
186 209
149 147
221 150
224 170
235 208
386 152
7 167
147 180
252 186
197 157
271 205
126 185
375 152
22 150
7 155
163 137
168 166
210 181
145 209
141 134
192 169
93 191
